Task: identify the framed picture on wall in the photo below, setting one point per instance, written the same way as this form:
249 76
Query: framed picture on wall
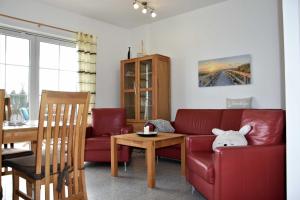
227 71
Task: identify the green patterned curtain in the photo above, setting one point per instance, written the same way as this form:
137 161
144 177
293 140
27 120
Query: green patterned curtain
87 51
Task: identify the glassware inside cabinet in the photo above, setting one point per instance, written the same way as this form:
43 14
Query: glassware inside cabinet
146 105
146 74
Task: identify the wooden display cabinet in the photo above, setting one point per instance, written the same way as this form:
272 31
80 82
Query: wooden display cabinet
145 89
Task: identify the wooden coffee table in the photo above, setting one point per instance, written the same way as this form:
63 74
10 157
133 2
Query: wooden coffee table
150 144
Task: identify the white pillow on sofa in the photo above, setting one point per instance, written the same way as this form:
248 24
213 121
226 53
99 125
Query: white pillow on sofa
238 103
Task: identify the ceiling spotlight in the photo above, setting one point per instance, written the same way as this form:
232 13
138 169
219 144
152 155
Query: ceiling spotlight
135 5
144 7
144 10
153 14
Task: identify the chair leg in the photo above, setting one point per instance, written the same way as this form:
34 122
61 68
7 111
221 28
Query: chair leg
125 166
29 188
157 159
37 190
15 186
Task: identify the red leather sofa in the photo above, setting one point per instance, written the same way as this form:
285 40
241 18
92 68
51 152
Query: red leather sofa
256 171
105 123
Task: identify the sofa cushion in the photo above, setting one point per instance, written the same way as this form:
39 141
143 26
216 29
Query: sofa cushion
202 163
231 119
108 121
196 121
267 126
97 143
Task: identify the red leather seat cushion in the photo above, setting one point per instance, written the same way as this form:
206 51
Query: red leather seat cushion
108 121
202 163
195 121
231 119
267 126
97 143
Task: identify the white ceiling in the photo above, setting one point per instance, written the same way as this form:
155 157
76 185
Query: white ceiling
121 12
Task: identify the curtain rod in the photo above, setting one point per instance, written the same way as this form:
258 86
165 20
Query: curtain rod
37 23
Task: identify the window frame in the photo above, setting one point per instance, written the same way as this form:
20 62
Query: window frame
34 58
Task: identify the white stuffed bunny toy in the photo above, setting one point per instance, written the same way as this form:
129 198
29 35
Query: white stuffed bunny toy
230 138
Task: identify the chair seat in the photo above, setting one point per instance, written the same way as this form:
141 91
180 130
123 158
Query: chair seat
202 163
14 153
26 165
98 143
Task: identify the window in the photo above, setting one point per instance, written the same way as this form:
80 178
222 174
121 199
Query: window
58 67
14 69
30 63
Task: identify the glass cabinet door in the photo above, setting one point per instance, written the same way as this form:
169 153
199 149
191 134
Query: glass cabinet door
129 76
130 90
130 104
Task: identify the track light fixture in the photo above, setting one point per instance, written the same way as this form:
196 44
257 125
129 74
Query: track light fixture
145 7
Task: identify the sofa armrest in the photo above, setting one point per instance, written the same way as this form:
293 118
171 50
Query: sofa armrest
127 129
89 132
199 143
255 170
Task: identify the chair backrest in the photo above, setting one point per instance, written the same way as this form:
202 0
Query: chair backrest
2 95
7 109
108 121
62 125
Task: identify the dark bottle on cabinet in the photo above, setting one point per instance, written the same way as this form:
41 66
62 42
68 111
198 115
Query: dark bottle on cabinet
128 54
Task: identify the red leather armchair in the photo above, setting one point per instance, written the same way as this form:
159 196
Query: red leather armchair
105 123
256 171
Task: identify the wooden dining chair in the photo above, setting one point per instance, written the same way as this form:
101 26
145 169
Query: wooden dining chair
10 152
59 165
2 95
7 114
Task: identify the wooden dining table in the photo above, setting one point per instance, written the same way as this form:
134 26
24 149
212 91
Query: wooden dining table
20 133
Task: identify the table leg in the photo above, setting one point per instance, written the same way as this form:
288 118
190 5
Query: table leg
183 157
114 156
151 164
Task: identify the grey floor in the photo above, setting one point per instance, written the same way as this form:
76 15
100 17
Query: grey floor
132 184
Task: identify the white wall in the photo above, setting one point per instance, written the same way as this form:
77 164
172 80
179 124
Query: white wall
291 13
234 27
112 40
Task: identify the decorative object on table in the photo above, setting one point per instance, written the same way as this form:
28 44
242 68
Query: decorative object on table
147 133
145 7
145 101
16 117
142 52
238 103
129 53
230 138
225 71
161 125
87 52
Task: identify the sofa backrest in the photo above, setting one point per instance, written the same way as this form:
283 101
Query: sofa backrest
267 126
197 121
231 119
108 121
